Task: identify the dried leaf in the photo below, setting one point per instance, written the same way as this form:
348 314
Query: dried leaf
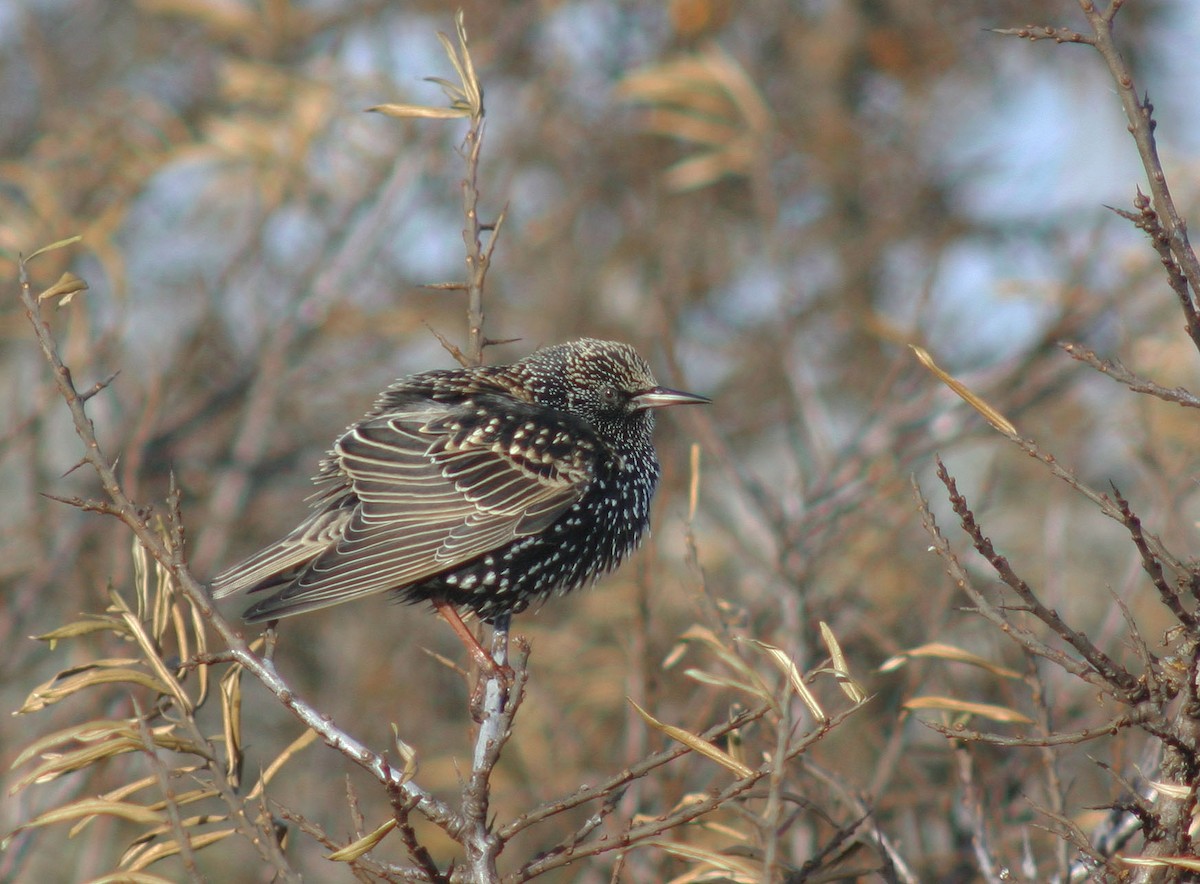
130 878
150 655
231 721
407 752
67 287
54 767
735 868
841 671
91 807
170 848
281 759
69 241
696 743
1191 863
1171 790
693 481
984 710
739 666
56 764
948 652
58 688
700 171
723 681
78 628
88 732
780 658
990 414
419 111
355 849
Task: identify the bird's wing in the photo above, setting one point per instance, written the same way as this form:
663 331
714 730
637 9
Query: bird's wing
280 563
426 490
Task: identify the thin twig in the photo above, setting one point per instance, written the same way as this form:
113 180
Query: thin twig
171 557
1128 719
1117 371
623 778
186 854
1116 676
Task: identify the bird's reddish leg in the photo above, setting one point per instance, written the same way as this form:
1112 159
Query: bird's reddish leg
486 662
478 653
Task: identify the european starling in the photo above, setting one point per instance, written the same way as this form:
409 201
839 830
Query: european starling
488 488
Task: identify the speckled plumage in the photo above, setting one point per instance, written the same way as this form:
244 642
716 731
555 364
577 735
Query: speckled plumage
489 488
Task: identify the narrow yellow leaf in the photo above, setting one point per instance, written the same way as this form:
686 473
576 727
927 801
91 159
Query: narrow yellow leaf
89 732
170 848
1191 863
735 868
841 671
1171 790
419 111
88 807
722 681
150 654
59 689
943 651
78 628
739 666
297 744
695 743
69 241
990 414
780 658
984 710
130 878
354 850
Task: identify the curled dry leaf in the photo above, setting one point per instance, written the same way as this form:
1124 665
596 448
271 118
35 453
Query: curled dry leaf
67 287
355 849
840 670
788 667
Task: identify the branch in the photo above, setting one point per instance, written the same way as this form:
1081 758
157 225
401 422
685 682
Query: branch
643 831
1140 114
1116 676
994 615
171 556
635 771
1129 719
1118 372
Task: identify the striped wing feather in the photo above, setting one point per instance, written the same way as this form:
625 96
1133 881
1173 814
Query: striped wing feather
414 494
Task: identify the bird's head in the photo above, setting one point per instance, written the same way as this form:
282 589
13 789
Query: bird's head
604 382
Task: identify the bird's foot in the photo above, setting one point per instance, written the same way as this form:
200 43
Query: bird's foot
499 674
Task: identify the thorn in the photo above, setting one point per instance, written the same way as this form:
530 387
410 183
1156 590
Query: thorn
74 468
447 346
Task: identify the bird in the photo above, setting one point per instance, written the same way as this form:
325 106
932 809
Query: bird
487 488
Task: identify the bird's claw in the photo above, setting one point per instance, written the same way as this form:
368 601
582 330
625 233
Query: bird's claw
491 672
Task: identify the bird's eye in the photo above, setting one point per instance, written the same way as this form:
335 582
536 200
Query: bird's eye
609 394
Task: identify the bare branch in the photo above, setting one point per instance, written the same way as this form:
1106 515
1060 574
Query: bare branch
1116 370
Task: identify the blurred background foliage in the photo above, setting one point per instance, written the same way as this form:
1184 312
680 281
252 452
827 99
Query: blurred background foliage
770 199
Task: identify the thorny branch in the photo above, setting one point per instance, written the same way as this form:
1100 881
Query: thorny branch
171 556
